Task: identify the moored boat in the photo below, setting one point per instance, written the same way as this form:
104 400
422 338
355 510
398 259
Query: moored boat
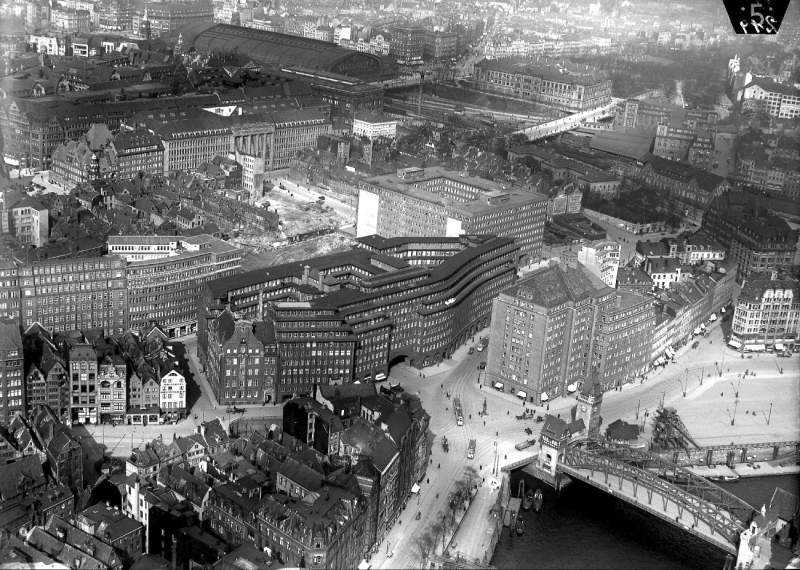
538 500
527 502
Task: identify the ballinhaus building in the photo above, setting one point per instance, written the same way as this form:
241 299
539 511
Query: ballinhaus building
435 202
347 316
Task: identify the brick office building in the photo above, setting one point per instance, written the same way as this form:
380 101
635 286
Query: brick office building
12 397
756 239
434 202
165 275
543 332
407 298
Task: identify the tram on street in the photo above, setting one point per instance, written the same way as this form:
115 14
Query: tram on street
458 411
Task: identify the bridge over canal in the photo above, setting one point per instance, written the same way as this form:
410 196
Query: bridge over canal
651 483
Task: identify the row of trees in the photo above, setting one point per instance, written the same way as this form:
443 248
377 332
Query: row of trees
440 526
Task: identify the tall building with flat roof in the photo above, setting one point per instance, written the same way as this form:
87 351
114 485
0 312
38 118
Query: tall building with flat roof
12 396
757 239
347 316
166 274
767 313
435 202
543 333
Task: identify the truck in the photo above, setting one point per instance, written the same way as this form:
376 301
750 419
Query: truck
458 411
471 449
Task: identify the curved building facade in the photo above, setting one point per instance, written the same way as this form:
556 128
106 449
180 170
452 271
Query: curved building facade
282 50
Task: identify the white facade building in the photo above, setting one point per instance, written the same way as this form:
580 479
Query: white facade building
373 125
601 257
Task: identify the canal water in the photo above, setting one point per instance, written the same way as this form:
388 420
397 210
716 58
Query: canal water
587 528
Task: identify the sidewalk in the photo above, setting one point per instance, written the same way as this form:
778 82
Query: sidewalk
474 538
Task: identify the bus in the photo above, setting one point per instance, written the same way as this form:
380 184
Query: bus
471 449
458 412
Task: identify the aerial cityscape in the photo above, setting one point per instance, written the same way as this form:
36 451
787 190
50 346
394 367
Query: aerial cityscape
399 284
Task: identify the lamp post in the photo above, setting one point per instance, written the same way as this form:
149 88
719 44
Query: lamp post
736 388
639 403
769 417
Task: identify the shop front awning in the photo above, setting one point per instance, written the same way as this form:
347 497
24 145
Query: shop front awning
713 317
698 330
380 376
364 565
734 343
722 310
415 488
571 388
522 394
668 353
498 385
703 327
755 347
660 361
544 397
779 346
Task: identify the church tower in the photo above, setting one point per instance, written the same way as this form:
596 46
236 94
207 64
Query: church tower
590 400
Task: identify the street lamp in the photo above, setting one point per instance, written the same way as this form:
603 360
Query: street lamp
736 388
770 413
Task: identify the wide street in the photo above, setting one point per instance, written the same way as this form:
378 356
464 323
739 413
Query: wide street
703 410
344 211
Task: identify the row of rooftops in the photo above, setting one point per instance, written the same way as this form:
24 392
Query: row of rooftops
744 212
559 71
359 267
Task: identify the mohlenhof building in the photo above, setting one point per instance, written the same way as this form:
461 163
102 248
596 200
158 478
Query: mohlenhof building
767 315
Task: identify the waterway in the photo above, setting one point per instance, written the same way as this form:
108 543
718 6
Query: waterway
587 528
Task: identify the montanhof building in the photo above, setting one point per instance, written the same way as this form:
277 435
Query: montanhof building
283 50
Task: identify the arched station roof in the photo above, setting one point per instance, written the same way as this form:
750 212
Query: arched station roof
282 50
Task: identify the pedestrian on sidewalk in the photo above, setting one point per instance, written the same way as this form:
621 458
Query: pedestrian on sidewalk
439 466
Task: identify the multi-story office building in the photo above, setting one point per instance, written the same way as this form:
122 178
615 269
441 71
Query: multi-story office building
777 99
295 130
70 21
12 372
542 343
33 129
165 17
767 313
601 258
137 151
75 294
756 239
114 16
112 382
9 290
25 218
373 125
645 115
172 396
763 168
84 406
242 359
407 44
434 202
416 299
624 341
165 275
440 45
561 83
692 188
190 137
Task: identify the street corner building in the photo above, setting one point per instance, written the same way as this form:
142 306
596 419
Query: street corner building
349 316
560 326
436 202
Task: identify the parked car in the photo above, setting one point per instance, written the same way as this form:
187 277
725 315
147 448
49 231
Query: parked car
471 350
385 390
482 366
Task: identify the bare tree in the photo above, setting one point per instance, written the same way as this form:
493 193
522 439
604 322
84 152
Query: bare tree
445 527
436 530
425 543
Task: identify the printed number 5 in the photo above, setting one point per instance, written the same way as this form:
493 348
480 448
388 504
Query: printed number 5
754 14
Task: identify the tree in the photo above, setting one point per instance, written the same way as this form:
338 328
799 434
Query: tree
436 530
425 543
445 527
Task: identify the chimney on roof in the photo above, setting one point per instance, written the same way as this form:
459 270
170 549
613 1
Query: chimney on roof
306 271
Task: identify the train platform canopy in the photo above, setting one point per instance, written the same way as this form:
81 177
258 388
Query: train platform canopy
282 50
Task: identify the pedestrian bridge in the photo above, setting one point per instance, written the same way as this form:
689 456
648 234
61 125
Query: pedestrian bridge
557 126
653 484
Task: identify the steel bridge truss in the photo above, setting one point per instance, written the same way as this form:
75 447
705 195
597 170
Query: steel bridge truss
721 511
